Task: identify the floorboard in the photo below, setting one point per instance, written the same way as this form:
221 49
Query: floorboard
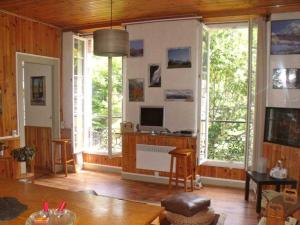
224 200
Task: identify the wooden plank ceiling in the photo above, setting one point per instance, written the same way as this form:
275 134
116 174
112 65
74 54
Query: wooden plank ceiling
84 14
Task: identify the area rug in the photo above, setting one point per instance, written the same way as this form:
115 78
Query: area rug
10 208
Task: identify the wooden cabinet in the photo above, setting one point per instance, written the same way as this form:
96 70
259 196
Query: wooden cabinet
130 140
6 162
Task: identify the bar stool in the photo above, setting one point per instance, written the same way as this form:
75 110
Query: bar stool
185 156
63 159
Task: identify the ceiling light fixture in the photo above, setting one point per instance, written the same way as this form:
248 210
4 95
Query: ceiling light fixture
111 42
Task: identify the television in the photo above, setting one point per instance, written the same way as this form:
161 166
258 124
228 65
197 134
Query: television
151 118
282 126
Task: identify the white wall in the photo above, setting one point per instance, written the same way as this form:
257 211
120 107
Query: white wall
287 98
158 37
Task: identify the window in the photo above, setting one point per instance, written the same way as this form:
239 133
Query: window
102 103
227 92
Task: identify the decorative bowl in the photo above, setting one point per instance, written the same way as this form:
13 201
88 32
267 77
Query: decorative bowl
66 217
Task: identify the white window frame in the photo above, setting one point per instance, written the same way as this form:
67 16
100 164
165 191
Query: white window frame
225 163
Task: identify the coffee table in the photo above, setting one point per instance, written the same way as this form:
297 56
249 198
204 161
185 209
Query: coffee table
264 179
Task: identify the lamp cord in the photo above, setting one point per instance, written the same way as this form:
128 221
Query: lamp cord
110 14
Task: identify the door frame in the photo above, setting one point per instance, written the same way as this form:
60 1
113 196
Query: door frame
55 63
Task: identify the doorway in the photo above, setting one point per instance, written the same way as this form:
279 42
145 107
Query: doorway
38 100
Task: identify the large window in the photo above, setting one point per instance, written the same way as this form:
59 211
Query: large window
227 105
100 102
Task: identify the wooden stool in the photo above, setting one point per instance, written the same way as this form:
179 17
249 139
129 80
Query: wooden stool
185 156
63 159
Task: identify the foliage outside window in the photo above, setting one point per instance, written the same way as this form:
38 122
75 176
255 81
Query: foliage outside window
102 122
228 93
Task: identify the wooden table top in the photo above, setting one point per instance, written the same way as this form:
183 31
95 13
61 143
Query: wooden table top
89 209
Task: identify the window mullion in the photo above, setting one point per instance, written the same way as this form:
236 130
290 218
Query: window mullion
109 102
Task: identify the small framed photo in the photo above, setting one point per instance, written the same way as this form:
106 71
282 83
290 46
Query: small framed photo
179 58
286 78
185 95
38 90
136 90
154 75
136 48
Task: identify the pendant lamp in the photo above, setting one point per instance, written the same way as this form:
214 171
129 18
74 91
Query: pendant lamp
111 42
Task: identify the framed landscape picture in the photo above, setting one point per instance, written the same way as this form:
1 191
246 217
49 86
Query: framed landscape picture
179 58
136 90
136 48
38 91
285 37
179 95
154 75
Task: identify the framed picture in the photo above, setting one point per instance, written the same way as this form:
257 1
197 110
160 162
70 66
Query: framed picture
38 90
136 90
154 75
179 95
285 37
286 78
179 58
136 48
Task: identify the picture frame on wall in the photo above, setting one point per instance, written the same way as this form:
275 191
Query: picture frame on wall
179 58
136 90
38 90
286 78
285 37
154 75
185 95
136 48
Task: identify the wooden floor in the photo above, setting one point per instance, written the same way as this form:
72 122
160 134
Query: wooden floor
224 200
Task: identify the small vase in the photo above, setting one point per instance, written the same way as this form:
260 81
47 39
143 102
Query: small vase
23 167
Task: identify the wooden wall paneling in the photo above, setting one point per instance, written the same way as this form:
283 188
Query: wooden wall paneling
40 138
21 35
102 160
221 172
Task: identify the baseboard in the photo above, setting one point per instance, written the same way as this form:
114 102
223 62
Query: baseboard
165 180
222 182
102 168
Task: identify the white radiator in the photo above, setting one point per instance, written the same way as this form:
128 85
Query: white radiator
153 157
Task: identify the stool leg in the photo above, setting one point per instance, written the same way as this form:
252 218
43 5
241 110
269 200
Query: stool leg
54 157
74 164
177 173
171 173
192 174
185 173
65 159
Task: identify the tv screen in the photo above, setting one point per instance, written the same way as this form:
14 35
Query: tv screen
282 126
152 116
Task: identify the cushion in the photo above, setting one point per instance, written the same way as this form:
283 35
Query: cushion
186 204
204 217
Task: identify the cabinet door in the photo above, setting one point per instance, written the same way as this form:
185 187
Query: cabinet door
5 170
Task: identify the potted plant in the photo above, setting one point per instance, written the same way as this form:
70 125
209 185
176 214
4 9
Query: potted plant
23 155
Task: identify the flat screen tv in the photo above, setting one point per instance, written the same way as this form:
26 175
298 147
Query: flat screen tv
282 126
151 118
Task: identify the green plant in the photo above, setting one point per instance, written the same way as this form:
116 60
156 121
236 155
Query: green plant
22 154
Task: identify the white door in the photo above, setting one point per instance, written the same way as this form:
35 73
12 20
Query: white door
38 94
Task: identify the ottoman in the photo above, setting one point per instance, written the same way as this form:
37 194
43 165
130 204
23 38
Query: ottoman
188 209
